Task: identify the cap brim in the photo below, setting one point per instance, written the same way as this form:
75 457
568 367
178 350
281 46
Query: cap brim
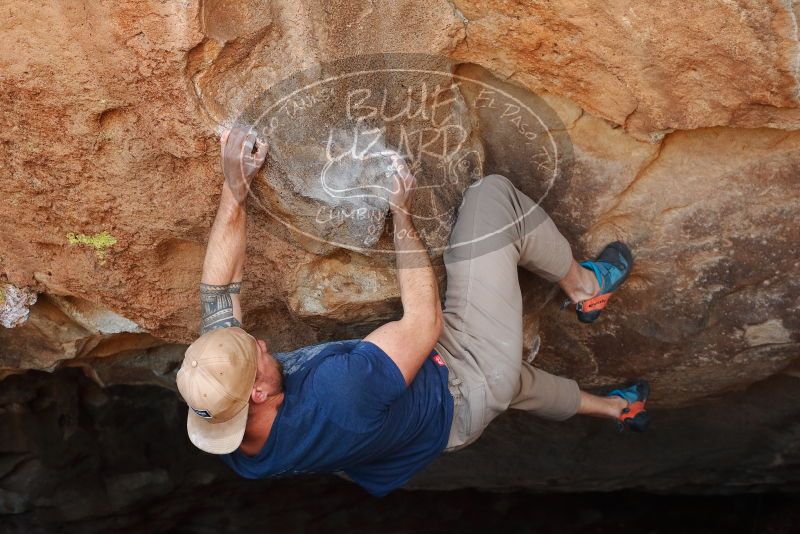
218 438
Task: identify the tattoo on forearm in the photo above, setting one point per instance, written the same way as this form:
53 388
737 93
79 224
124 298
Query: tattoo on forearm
217 306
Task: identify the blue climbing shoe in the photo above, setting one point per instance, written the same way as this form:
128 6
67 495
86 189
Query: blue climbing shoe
634 416
611 268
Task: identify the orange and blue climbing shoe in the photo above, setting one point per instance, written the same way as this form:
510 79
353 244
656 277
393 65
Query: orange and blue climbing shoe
634 416
611 268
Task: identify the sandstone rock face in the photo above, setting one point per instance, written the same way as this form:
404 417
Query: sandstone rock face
680 123
652 67
70 331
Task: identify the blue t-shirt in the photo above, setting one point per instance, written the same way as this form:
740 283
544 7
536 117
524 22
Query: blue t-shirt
346 408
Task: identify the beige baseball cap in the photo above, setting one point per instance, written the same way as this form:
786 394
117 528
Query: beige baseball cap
216 379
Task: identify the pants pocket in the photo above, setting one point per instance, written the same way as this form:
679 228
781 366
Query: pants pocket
469 411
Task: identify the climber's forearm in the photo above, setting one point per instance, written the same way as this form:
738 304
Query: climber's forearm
242 156
419 291
409 341
225 252
223 266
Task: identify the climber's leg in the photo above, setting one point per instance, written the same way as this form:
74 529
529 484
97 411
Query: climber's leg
541 393
495 214
546 395
538 394
579 283
498 229
601 406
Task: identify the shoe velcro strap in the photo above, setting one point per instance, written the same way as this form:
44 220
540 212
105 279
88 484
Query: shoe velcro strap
595 303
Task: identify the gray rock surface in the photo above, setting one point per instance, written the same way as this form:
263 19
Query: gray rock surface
72 453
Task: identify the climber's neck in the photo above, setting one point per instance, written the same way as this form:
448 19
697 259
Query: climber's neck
259 423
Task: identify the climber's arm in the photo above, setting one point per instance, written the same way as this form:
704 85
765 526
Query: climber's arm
409 341
223 266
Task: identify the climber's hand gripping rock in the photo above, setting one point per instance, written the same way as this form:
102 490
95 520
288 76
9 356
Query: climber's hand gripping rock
243 154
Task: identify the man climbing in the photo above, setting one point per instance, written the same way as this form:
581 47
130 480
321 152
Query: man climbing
380 409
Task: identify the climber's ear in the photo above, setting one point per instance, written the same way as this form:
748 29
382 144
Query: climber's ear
259 393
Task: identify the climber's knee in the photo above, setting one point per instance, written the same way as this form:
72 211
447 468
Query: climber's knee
492 193
492 184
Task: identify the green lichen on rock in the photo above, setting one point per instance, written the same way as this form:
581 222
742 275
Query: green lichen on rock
99 242
2 295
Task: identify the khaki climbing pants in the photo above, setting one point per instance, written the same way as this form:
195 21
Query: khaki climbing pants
498 229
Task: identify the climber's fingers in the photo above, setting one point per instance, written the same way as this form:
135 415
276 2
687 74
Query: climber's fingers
223 139
243 154
261 152
248 143
405 177
401 167
404 183
255 153
237 142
